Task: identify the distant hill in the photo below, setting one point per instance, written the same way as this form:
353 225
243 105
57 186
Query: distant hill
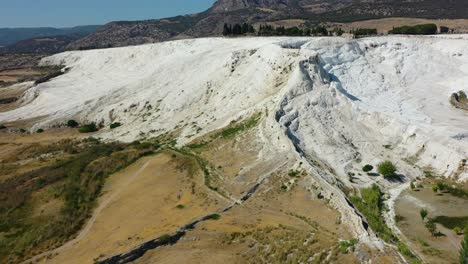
10 36
210 22
41 45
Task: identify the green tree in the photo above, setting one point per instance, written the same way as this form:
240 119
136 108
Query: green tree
237 29
464 248
423 213
386 168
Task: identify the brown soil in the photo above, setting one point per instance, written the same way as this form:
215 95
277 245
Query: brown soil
140 205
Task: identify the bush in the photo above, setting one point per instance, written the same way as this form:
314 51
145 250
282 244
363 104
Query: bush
89 128
386 168
213 217
345 245
72 123
2 127
458 230
367 168
115 125
425 29
40 130
423 213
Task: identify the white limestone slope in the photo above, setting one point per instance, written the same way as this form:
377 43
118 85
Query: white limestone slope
332 102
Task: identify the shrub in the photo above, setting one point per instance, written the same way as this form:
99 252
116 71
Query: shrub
345 245
180 206
2 127
367 168
458 230
89 128
435 188
386 168
40 130
423 213
115 125
72 123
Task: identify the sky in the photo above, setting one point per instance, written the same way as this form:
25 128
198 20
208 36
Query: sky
68 13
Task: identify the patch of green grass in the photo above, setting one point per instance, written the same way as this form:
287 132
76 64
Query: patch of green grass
89 128
405 251
371 205
236 129
453 190
198 145
451 222
345 245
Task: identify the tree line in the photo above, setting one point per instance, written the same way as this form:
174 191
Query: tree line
238 29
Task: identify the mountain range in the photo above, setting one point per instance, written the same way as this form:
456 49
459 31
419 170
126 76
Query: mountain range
211 21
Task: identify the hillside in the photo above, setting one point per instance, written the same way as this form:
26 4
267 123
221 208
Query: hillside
43 45
10 36
274 126
210 22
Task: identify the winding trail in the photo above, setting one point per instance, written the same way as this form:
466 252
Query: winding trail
91 221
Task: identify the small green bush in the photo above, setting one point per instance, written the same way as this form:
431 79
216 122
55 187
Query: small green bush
345 245
458 230
386 168
89 128
214 216
115 125
423 213
40 130
72 123
367 168
180 206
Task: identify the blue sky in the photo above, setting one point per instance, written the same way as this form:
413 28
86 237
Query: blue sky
66 13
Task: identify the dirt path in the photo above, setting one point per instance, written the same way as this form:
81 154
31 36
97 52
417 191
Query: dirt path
91 221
